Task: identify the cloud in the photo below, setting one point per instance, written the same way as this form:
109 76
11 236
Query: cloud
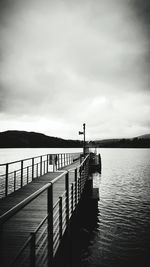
68 62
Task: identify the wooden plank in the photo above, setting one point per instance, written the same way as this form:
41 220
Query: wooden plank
17 229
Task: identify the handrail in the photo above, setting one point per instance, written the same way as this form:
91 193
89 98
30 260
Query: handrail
31 168
22 204
64 207
25 159
80 165
16 161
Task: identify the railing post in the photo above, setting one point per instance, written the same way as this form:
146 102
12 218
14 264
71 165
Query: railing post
47 163
64 159
32 168
50 224
44 167
32 252
80 171
67 196
37 170
6 181
14 180
76 187
41 165
61 161
21 173
27 174
53 161
58 160
60 218
72 198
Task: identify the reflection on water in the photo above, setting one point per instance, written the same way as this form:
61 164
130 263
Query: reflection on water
121 234
117 234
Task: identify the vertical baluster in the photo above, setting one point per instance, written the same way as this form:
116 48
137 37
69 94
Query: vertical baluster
27 174
72 198
41 165
44 166
37 170
64 159
32 168
21 173
76 187
32 251
53 160
67 196
14 180
6 180
58 161
61 160
50 224
60 218
47 163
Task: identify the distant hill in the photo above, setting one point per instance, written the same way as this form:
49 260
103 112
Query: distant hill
145 136
142 141
23 139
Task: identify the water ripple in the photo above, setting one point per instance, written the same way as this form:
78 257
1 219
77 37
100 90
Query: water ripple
123 228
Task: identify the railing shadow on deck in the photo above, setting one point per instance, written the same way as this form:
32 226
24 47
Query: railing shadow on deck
41 245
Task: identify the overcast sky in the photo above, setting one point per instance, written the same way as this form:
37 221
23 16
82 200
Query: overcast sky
65 62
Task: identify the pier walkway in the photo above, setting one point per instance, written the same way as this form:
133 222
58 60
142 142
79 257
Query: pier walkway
37 204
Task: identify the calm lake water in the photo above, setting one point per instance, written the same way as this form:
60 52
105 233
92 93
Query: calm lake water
120 235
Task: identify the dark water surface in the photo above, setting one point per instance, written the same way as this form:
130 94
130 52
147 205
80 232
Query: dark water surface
121 233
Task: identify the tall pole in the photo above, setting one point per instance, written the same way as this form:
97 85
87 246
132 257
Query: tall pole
84 139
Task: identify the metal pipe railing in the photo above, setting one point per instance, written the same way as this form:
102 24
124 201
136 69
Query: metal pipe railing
16 174
51 235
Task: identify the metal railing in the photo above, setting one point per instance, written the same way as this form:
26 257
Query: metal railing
16 174
41 245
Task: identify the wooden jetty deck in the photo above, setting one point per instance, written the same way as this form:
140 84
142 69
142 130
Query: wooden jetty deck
34 218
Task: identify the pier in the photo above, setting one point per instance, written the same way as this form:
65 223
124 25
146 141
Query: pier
39 197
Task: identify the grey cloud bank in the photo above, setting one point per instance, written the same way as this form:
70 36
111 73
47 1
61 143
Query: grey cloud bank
68 62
